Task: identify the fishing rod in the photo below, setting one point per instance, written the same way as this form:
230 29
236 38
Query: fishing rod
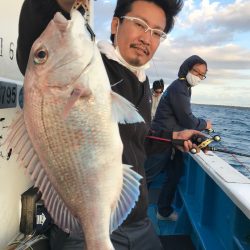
203 143
224 150
227 151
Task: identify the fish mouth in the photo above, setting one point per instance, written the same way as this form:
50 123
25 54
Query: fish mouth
66 86
68 62
84 70
60 20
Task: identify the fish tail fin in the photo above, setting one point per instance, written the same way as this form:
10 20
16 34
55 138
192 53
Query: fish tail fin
128 197
124 111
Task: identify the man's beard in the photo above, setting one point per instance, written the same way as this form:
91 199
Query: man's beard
135 62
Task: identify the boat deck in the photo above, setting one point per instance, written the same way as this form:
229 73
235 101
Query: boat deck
213 206
164 229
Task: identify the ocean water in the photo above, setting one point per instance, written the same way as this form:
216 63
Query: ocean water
233 125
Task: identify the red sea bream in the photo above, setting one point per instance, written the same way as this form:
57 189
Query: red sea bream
67 137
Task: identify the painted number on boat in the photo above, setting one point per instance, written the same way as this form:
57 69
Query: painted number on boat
10 48
8 94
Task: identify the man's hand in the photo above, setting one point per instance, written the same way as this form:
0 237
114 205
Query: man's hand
67 5
209 124
186 135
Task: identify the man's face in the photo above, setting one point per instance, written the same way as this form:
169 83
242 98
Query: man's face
158 92
136 46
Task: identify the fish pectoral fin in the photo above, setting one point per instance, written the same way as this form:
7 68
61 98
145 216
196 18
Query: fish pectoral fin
124 111
76 94
128 197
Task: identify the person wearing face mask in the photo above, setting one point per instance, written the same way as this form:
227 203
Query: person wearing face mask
137 28
174 113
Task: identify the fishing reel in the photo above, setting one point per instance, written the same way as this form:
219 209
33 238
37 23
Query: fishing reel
203 142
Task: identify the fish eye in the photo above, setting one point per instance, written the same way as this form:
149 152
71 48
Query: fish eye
41 56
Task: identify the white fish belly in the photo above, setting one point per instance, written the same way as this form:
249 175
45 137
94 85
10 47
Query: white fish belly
81 156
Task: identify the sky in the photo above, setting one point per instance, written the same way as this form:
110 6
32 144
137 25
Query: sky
217 31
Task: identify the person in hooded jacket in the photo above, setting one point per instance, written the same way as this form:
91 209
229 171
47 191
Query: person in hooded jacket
174 113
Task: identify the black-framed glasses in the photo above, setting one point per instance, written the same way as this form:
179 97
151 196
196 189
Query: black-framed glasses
141 25
199 74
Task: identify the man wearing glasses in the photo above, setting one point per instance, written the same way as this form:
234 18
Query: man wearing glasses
174 113
137 29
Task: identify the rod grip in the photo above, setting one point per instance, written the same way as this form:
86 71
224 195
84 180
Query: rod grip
178 142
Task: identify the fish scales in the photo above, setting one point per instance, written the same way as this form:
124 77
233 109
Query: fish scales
73 133
70 115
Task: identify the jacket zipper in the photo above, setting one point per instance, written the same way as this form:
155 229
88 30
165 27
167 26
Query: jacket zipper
133 153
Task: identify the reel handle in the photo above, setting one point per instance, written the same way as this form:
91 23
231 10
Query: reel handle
193 151
216 138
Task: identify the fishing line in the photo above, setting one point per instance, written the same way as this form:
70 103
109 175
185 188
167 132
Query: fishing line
226 151
203 143
234 156
155 68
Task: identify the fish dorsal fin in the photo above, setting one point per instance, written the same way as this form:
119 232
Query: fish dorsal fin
124 111
128 197
18 140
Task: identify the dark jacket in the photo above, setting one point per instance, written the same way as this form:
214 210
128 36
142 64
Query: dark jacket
174 111
34 18
133 135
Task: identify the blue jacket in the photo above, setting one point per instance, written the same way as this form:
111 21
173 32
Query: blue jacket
174 111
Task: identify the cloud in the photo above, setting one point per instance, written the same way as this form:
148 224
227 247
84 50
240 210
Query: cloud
217 94
235 17
103 15
215 30
214 22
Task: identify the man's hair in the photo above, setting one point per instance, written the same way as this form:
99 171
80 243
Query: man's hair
158 84
170 7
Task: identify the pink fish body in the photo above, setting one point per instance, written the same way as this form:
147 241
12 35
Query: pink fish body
68 138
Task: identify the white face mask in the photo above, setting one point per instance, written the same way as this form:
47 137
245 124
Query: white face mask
192 79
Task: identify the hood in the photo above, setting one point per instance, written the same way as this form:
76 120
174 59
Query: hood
188 64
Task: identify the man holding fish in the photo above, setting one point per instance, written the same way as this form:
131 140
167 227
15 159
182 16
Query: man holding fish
137 28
